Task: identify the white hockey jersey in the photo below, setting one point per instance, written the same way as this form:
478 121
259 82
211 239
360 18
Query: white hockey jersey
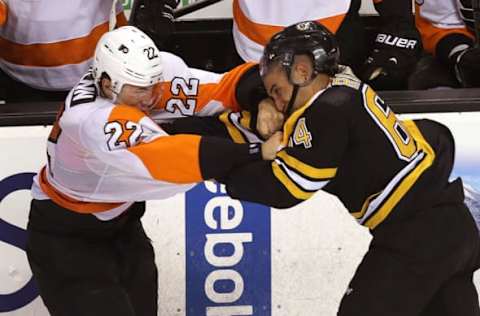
49 44
256 21
436 19
102 157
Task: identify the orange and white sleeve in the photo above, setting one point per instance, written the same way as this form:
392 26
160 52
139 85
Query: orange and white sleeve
190 91
133 144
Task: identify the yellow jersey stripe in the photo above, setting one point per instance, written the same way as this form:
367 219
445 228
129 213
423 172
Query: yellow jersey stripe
234 133
365 205
293 188
305 169
408 182
245 119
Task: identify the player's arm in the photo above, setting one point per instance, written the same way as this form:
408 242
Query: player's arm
133 143
155 18
195 92
438 39
249 90
318 143
236 126
452 45
248 94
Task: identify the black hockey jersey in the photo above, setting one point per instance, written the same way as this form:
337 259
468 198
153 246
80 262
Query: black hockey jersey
347 141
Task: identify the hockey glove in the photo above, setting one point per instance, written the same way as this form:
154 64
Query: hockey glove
467 67
397 49
155 18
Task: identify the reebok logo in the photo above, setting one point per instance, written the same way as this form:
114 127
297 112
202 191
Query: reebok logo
396 41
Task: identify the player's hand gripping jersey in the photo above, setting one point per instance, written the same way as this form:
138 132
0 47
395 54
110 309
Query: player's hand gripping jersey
348 142
99 151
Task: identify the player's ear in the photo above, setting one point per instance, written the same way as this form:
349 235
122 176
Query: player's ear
106 87
302 70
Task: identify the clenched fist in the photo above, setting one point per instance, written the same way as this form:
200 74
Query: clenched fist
271 146
269 119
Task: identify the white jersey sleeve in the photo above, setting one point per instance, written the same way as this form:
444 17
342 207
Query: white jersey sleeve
103 156
190 91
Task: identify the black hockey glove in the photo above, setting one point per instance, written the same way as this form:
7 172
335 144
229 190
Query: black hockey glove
396 50
155 18
467 67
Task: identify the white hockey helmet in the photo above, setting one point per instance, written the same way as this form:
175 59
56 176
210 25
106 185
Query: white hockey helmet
127 56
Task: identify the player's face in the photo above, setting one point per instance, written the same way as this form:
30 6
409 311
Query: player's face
144 98
278 87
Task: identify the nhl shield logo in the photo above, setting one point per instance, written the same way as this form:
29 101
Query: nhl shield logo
303 26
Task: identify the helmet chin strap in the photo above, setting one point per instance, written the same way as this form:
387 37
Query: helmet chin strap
114 95
292 100
296 87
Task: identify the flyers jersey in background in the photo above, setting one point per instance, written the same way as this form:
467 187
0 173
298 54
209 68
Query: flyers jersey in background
436 19
255 22
49 44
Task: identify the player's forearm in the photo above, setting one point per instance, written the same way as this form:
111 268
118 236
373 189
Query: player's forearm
219 156
205 126
249 90
255 182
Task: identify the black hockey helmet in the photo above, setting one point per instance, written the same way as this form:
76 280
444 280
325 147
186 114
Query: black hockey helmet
308 37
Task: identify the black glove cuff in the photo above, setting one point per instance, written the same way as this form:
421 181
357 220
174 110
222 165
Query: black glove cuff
446 44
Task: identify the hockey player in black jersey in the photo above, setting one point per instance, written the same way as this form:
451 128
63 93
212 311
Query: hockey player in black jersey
391 175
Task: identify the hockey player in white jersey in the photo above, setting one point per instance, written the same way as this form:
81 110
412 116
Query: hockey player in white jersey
87 248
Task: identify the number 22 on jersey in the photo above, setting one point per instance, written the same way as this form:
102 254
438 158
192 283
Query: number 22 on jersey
185 105
123 134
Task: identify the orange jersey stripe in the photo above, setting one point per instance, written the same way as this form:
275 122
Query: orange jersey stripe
72 51
123 112
121 19
222 91
261 33
431 34
173 159
71 203
3 12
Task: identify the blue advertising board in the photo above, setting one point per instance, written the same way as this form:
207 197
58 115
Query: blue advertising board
228 254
